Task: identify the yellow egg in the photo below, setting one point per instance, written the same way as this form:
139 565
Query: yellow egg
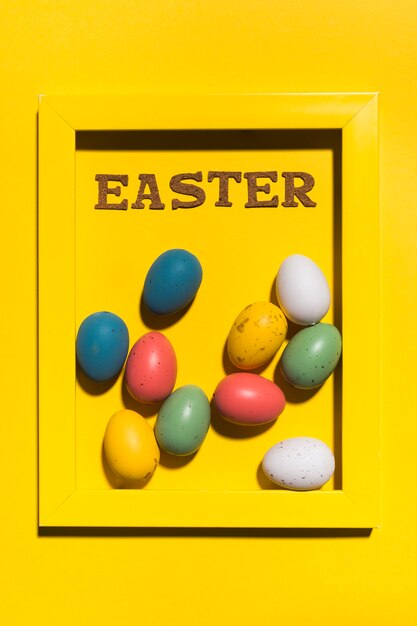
130 446
256 335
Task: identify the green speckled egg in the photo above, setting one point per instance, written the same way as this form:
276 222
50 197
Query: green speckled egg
311 356
183 421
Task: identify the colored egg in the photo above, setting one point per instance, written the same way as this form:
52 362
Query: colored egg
249 399
172 282
151 368
302 290
183 421
311 356
102 345
299 463
256 335
130 446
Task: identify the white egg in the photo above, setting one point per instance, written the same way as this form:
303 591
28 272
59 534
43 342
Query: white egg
302 290
300 463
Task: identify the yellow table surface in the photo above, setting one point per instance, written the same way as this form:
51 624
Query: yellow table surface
242 578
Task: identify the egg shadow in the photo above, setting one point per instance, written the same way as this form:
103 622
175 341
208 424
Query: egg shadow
293 328
228 366
174 461
93 387
159 322
223 427
263 480
273 292
115 481
292 394
129 402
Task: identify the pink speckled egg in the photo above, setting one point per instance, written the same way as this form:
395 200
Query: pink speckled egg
246 398
151 368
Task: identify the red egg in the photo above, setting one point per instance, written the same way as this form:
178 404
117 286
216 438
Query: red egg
151 368
246 398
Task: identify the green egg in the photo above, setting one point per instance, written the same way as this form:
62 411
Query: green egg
311 356
183 421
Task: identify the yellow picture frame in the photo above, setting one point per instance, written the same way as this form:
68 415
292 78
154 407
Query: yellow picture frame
356 504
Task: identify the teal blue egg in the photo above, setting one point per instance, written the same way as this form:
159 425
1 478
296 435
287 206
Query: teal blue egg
172 282
311 356
102 345
183 421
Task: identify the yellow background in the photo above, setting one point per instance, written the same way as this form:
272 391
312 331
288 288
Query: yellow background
244 578
240 251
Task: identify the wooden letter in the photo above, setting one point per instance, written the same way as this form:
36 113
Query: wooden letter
153 195
254 188
104 190
178 186
224 185
300 192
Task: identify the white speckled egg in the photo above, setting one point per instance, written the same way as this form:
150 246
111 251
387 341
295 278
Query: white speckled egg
302 290
300 463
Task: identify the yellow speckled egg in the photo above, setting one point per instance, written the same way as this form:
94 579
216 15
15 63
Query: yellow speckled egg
256 335
130 446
